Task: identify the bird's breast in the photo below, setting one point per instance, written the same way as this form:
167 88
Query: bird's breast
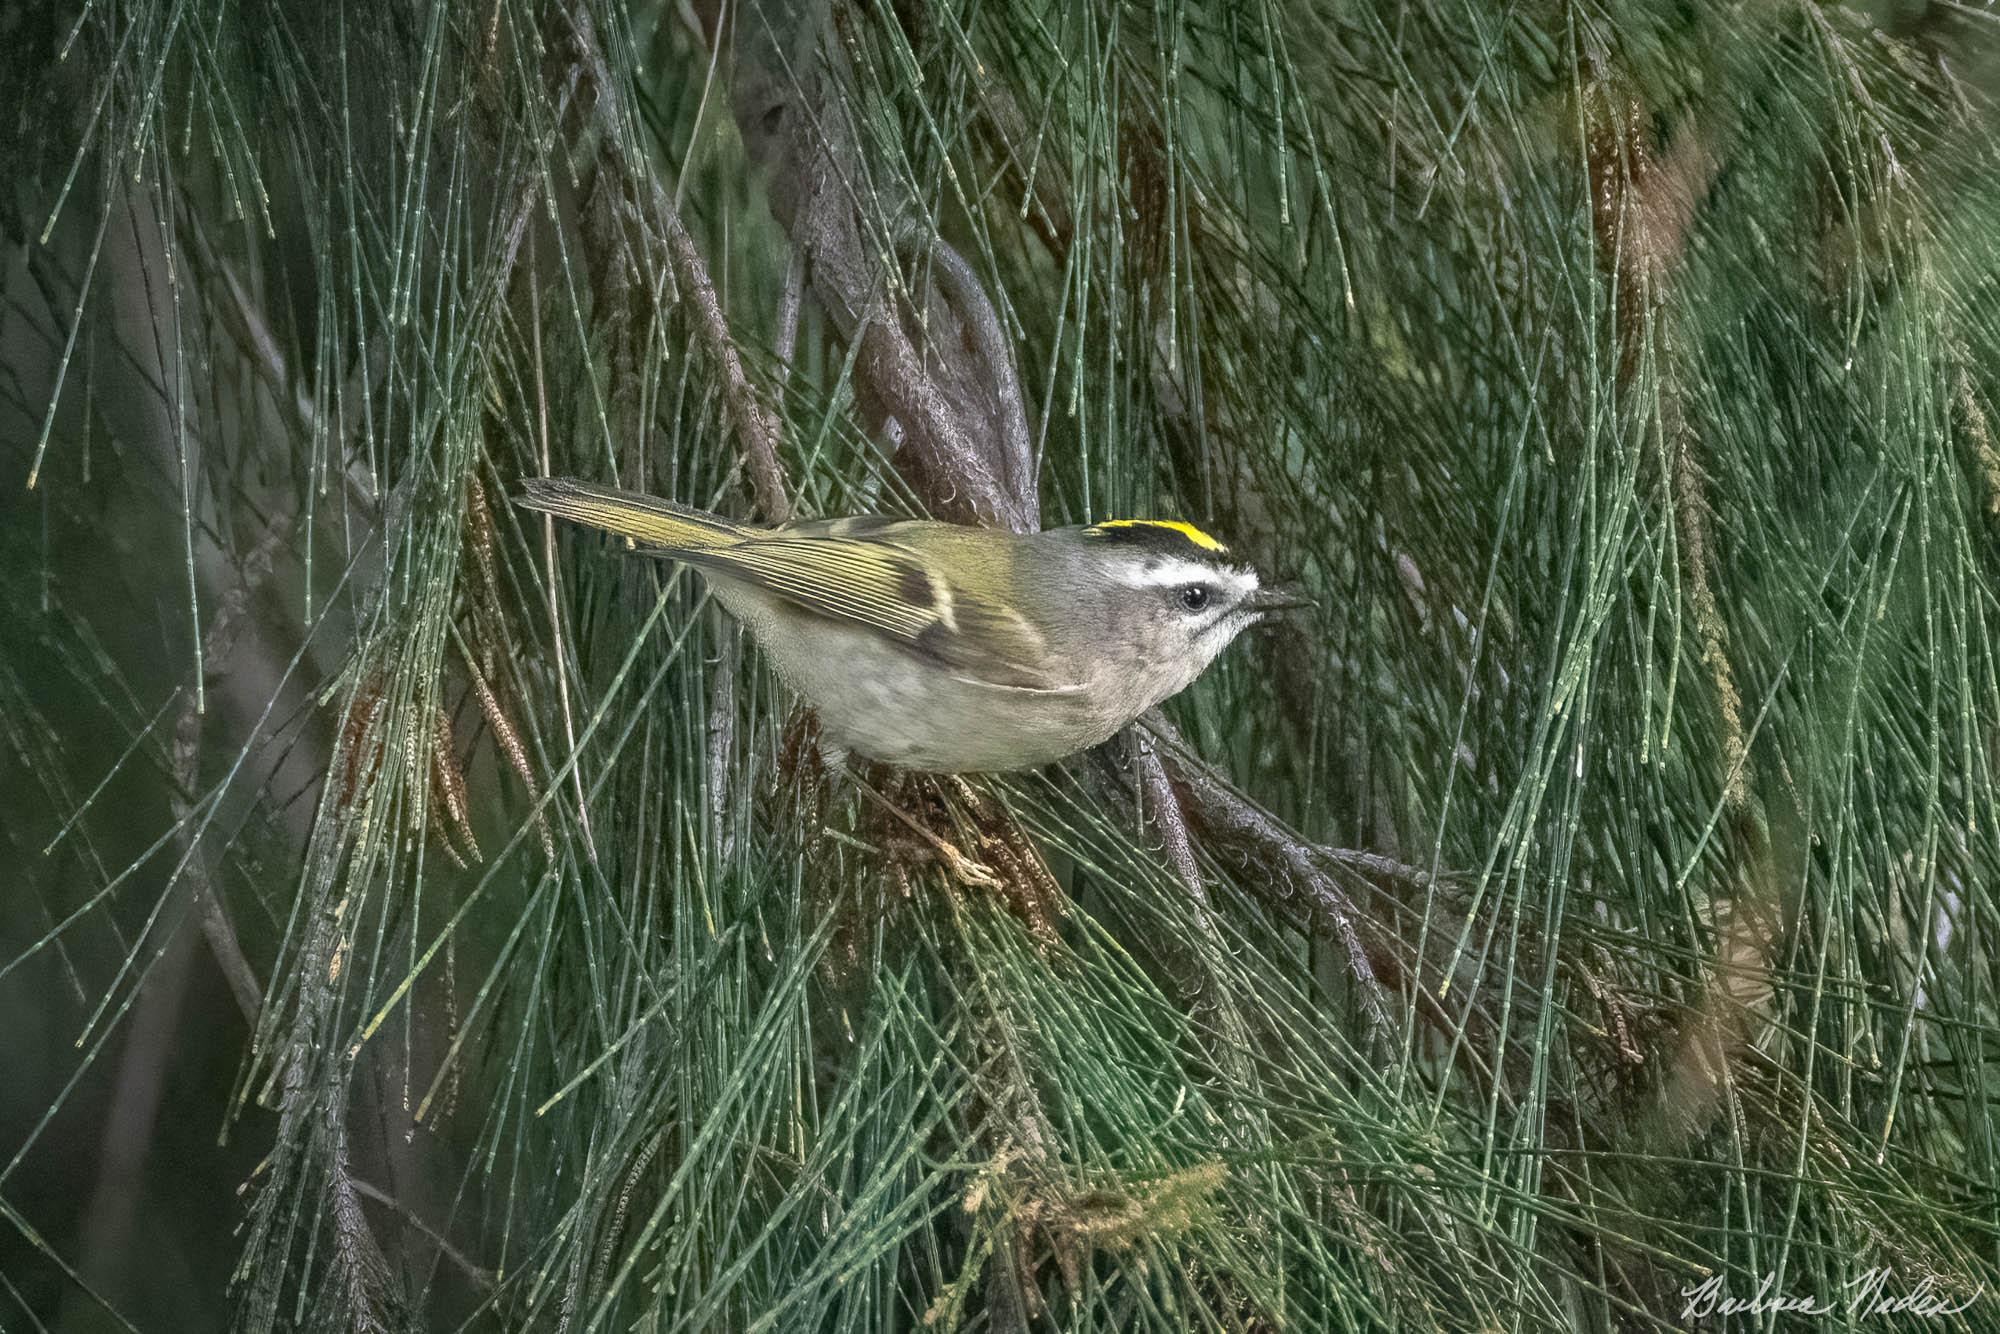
883 702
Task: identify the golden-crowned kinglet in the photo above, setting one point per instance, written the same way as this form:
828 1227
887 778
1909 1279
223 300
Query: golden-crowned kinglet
952 649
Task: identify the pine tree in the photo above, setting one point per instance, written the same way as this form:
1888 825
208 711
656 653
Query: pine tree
1578 918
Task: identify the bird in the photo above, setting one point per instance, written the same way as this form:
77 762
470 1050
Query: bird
944 648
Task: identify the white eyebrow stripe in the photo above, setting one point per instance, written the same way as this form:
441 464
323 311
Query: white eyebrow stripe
1173 572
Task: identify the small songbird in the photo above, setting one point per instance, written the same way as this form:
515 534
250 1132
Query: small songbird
950 649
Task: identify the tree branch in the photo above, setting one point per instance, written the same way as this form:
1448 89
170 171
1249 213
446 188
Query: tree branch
946 379
480 1276
223 630
1297 885
756 428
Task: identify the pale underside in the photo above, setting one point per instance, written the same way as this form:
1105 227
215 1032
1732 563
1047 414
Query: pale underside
886 703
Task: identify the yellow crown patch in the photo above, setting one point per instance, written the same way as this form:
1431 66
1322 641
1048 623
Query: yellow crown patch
1187 530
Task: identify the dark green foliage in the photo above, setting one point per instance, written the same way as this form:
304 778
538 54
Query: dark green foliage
1620 378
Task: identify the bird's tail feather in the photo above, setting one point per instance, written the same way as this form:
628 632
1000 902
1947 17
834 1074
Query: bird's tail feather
628 514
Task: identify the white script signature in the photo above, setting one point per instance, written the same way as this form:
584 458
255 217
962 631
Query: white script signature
1867 1294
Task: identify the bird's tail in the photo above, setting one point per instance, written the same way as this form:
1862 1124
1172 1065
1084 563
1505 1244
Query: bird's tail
628 514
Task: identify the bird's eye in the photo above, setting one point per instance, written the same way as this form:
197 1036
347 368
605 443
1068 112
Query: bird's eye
1194 597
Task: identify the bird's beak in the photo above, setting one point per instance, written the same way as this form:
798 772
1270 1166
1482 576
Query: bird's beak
1277 598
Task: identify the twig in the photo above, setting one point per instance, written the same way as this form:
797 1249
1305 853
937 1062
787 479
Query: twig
481 1277
788 310
722 740
1301 888
964 434
721 723
756 429
1642 210
1199 979
223 630
967 295
561 662
509 742
1162 805
358 1261
1165 807
253 333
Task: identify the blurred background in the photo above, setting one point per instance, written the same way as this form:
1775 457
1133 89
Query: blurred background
416 916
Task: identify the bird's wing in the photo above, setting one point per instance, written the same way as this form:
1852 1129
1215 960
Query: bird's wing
887 588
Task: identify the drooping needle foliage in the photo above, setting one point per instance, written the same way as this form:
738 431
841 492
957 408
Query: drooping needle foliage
421 916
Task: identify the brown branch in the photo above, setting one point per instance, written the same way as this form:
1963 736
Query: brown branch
1046 196
934 370
359 1267
1295 882
1160 806
1293 877
1642 206
757 432
987 347
1166 811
